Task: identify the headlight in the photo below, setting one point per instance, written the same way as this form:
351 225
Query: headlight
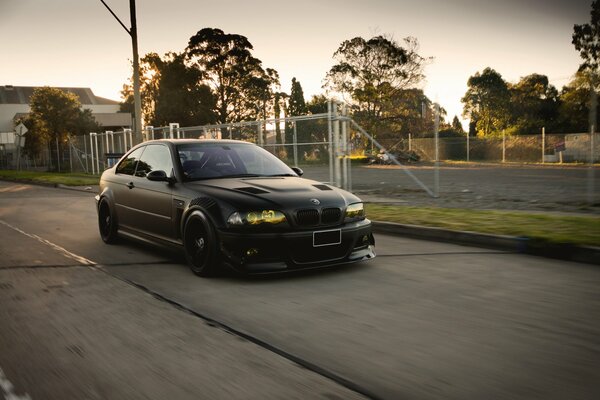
355 211
256 217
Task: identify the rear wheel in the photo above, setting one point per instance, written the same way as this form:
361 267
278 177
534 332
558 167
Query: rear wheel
201 245
107 223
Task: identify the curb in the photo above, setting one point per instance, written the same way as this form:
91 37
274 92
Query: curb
524 245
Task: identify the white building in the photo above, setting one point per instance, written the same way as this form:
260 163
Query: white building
14 102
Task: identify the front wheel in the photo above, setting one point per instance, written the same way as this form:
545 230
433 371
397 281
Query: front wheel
201 245
107 223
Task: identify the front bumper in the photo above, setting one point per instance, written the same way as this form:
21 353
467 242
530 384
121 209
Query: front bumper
254 252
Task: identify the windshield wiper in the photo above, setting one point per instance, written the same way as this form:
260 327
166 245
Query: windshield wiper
240 176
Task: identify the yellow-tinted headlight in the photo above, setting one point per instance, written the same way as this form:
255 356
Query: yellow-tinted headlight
256 217
355 211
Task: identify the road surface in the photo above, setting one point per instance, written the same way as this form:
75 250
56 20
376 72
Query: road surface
81 319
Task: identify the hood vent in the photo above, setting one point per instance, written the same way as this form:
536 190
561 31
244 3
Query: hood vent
252 190
323 187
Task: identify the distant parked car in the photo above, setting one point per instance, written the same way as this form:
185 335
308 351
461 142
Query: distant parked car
233 202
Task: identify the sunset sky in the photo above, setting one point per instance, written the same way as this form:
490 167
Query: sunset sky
78 43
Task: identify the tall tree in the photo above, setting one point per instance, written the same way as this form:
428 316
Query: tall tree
296 107
373 73
586 38
533 104
487 102
575 105
231 71
173 92
457 126
297 104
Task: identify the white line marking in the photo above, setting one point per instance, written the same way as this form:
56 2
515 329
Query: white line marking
62 250
7 389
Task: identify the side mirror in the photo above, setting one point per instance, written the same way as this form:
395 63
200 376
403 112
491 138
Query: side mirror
298 171
159 176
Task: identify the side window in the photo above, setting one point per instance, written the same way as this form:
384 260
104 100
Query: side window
127 166
156 157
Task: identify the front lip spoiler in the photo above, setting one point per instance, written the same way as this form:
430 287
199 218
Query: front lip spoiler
280 267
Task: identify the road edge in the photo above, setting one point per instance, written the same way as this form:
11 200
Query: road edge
525 245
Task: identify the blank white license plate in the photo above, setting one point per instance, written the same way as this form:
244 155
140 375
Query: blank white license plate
327 238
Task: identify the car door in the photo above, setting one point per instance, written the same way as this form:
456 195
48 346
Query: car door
123 186
153 200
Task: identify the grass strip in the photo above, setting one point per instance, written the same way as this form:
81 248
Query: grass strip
551 228
67 179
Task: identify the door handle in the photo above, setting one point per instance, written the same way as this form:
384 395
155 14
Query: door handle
130 185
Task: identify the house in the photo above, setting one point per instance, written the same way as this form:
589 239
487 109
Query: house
14 103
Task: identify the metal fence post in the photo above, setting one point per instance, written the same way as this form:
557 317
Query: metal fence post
591 167
543 143
57 155
468 147
92 152
436 176
70 155
295 143
97 153
336 146
330 138
344 146
503 146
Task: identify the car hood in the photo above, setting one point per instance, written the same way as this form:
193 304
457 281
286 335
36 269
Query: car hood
277 192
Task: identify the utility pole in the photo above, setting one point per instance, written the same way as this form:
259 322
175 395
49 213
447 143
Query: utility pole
137 99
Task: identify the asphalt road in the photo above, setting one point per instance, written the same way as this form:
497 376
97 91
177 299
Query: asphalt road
81 319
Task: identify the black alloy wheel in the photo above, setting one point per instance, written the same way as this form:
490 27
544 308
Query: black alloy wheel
107 223
200 242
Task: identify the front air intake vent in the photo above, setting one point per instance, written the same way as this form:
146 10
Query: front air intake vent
331 215
308 217
323 187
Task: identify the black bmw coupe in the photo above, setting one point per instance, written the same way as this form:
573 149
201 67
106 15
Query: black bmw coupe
231 202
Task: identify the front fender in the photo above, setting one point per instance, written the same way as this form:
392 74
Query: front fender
208 206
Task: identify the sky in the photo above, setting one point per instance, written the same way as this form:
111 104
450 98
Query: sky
77 43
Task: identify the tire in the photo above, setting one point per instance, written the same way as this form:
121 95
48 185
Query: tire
107 223
201 245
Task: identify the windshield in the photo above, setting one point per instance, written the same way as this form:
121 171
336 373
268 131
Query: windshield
228 160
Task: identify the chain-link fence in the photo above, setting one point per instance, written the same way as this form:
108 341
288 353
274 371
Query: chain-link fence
555 148
333 148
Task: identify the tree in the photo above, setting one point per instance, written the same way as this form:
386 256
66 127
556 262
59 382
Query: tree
261 91
534 104
373 74
575 104
454 129
172 92
296 106
457 126
227 64
586 38
486 102
55 115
